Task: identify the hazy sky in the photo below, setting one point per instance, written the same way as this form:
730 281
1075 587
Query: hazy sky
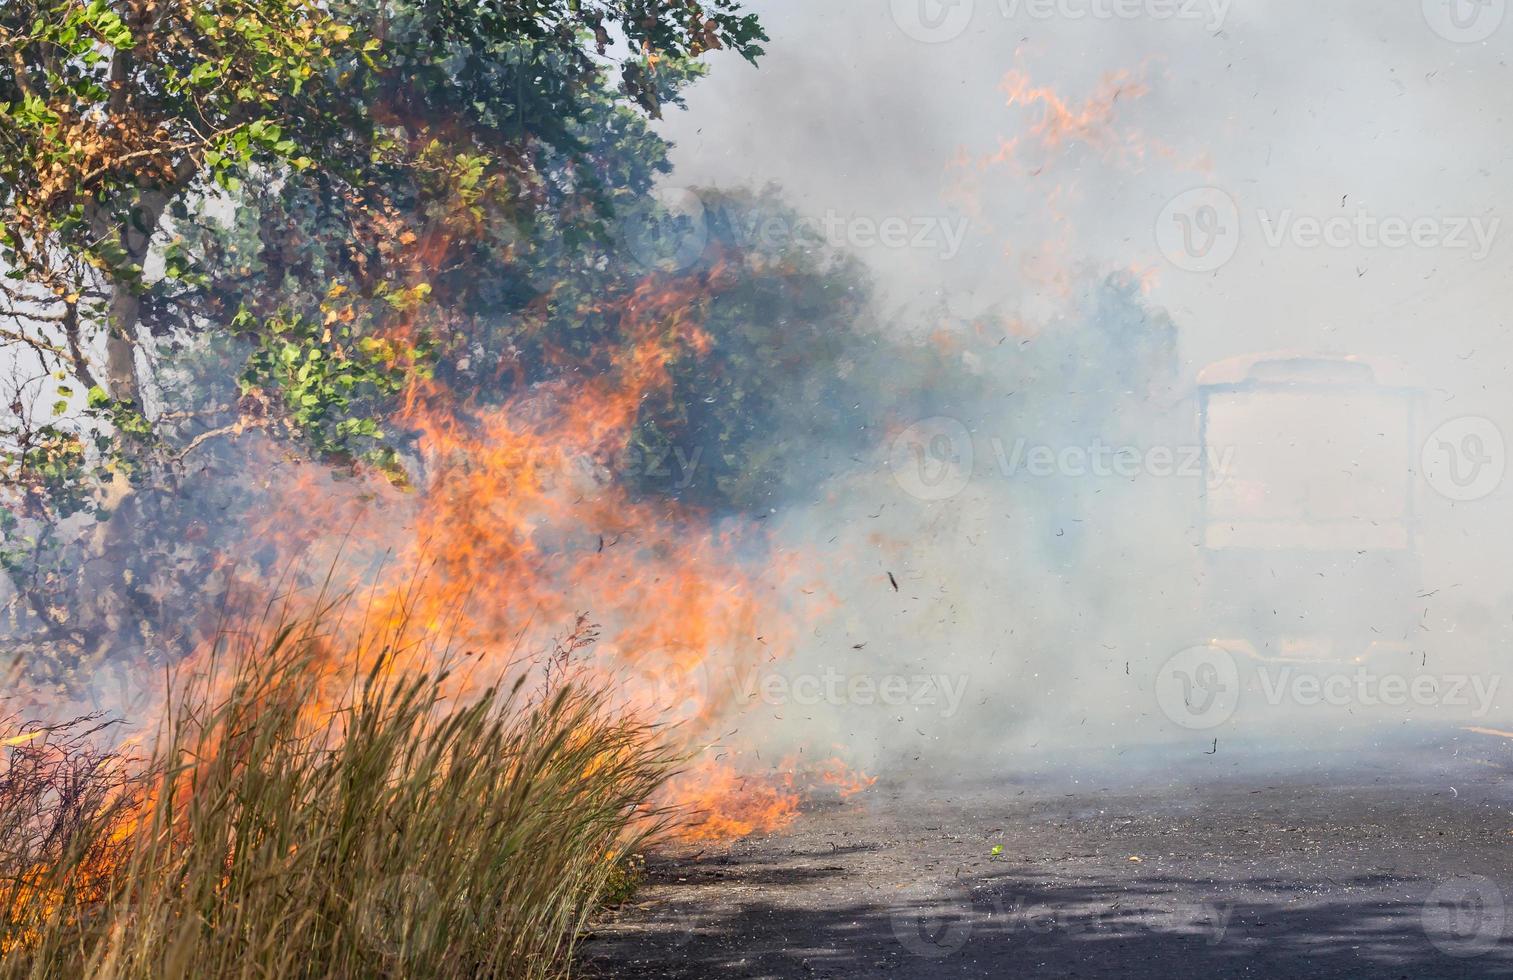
1301 112
1294 174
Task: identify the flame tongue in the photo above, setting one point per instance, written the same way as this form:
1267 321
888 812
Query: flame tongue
520 523
516 523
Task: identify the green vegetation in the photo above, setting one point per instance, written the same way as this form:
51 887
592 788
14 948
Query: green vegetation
292 822
225 224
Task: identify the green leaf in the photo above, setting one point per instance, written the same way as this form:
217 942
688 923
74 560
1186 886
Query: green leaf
204 74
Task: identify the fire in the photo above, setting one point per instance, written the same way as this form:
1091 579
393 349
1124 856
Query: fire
514 524
839 776
729 804
757 803
1063 122
1056 135
518 524
49 777
1053 126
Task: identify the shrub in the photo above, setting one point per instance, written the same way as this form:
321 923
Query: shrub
291 819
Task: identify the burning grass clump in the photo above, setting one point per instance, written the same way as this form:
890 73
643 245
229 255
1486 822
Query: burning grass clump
293 820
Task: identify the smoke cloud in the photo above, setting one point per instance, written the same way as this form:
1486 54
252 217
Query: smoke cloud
1189 428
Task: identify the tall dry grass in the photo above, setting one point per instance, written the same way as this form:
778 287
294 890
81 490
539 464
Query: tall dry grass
288 823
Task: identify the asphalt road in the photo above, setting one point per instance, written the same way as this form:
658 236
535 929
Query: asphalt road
1372 860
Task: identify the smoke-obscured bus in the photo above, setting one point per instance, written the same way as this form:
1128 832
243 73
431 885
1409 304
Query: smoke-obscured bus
1308 530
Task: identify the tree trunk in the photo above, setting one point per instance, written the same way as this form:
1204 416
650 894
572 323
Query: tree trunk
135 235
121 348
108 577
136 231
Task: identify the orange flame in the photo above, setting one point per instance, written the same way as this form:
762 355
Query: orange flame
519 523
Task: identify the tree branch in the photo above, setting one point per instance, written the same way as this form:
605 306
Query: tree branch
234 429
10 336
71 331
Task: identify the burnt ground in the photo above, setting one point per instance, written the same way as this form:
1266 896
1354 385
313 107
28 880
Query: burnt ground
1359 861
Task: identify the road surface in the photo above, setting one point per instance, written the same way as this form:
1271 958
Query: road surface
1376 860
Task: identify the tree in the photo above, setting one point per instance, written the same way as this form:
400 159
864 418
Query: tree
777 403
223 215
